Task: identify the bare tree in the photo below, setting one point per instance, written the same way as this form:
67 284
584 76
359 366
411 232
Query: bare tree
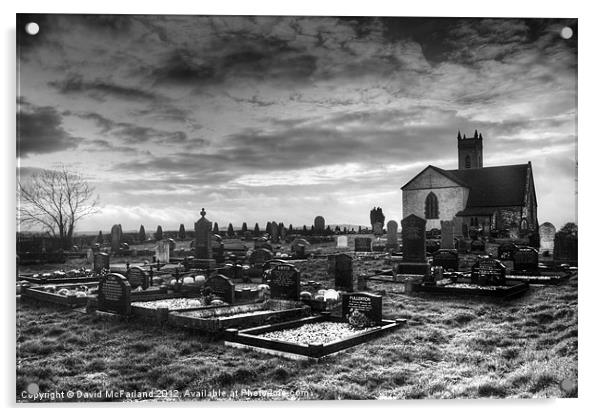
55 200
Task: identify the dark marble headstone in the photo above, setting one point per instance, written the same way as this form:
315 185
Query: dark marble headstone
413 235
362 309
284 282
363 244
565 248
203 231
222 287
392 235
488 272
300 252
447 259
101 261
137 277
114 294
477 246
342 269
526 259
115 238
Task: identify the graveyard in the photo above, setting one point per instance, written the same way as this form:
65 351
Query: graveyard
290 315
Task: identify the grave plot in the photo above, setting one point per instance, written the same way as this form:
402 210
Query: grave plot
316 337
70 295
488 278
61 277
218 318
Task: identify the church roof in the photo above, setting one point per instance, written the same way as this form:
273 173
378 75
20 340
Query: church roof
494 186
489 187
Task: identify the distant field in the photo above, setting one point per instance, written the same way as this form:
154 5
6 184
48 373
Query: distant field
451 348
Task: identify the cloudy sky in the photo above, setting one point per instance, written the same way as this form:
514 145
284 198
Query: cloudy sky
286 118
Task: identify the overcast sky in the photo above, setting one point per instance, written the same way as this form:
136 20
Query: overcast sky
286 118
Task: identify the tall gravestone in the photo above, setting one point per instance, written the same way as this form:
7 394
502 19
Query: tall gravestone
114 294
319 224
447 235
274 232
162 251
413 240
362 309
203 233
392 235
377 228
342 268
115 238
284 281
547 231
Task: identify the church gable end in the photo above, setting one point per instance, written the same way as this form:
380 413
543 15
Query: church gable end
431 178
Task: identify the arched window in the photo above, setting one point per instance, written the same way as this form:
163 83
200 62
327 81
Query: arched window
431 207
524 225
467 162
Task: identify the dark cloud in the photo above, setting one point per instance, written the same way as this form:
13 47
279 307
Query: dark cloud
100 90
40 130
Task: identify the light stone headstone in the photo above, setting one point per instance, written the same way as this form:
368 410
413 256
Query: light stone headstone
342 241
162 251
547 231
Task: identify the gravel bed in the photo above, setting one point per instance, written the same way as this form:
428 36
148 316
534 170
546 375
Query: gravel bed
176 303
473 286
316 333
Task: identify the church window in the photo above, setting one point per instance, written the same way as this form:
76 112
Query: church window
524 225
431 209
467 162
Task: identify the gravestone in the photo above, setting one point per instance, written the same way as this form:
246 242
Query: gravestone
172 246
526 259
137 277
162 251
203 232
284 282
300 252
114 294
447 235
342 269
363 244
101 261
547 232
319 223
220 286
274 234
488 271
477 246
342 241
90 256
217 248
260 256
115 238
413 236
392 235
447 259
377 228
461 245
432 246
565 248
362 309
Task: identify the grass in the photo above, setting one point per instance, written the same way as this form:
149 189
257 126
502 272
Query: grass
451 348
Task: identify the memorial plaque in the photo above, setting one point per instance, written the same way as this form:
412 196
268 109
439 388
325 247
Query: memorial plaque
447 259
220 286
413 236
137 277
488 272
362 309
114 294
101 261
447 235
526 259
363 244
284 282
342 269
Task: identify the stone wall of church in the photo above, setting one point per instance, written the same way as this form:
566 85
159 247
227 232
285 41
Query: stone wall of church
450 199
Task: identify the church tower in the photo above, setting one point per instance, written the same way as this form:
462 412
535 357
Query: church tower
470 151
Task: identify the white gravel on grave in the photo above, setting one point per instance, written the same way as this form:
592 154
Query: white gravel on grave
316 333
175 303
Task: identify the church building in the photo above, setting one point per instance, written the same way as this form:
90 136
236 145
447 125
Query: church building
496 198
